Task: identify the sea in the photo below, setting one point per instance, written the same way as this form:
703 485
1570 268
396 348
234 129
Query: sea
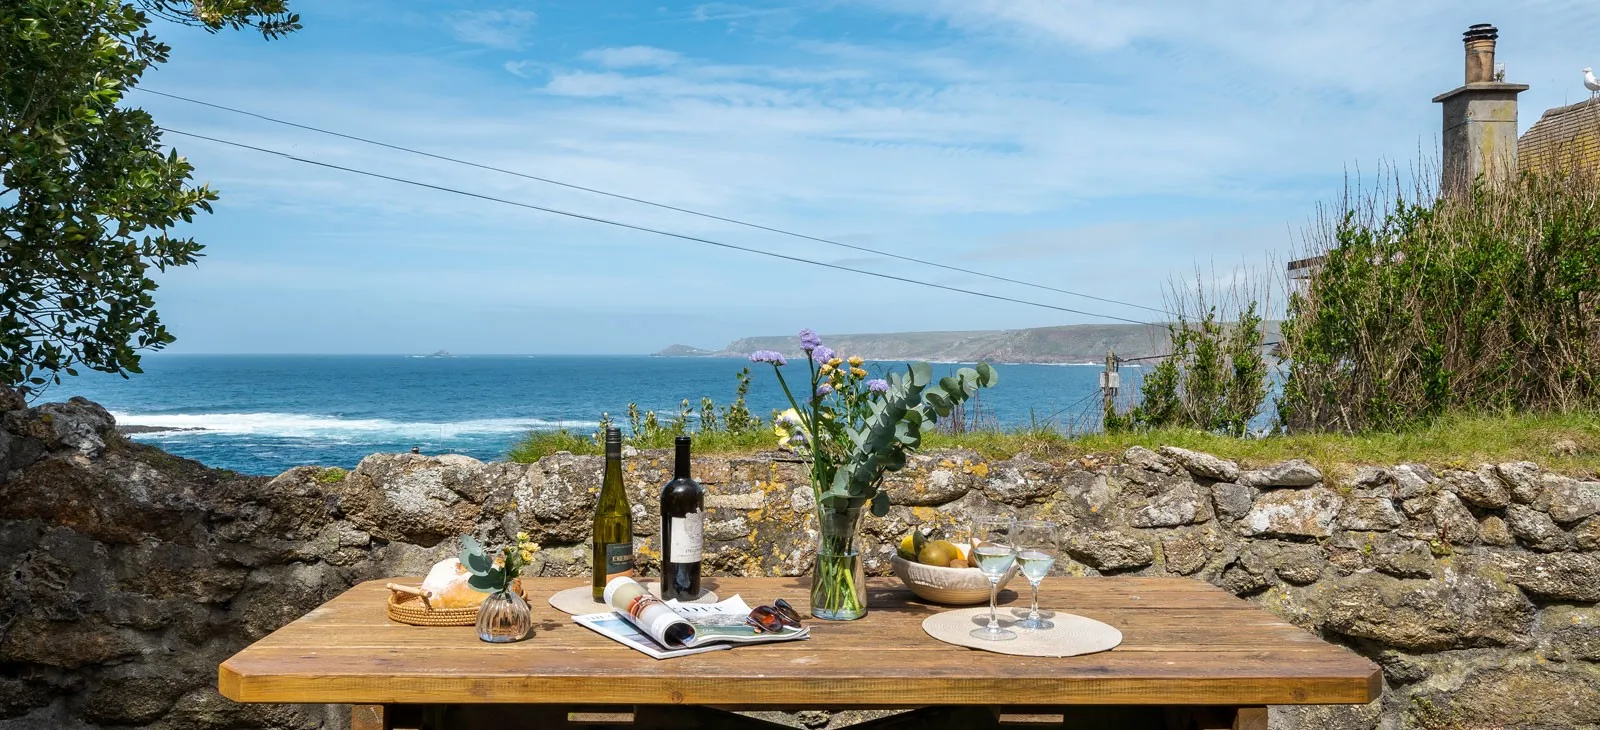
262 414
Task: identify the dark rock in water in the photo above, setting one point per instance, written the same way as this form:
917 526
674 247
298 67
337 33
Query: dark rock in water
132 429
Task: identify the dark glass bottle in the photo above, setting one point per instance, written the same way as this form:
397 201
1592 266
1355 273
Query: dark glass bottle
613 521
682 524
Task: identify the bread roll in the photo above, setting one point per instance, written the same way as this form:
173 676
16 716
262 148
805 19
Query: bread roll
447 582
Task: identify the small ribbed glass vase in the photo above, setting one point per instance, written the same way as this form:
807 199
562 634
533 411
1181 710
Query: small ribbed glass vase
504 617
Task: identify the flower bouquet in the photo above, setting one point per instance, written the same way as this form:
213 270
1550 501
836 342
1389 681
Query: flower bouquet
854 429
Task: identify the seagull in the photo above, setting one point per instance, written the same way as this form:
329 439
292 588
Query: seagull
1591 83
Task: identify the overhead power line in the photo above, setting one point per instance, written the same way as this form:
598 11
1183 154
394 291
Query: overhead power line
643 201
645 229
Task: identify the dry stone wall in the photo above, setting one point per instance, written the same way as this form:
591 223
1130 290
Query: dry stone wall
127 574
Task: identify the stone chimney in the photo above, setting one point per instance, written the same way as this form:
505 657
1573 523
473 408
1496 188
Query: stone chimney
1480 119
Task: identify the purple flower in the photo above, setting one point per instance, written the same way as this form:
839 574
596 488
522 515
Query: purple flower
809 340
772 356
878 385
823 353
824 390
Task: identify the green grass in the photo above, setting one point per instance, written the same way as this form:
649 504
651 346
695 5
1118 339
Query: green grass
1457 441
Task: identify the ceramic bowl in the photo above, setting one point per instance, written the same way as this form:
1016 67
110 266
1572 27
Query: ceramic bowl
948 586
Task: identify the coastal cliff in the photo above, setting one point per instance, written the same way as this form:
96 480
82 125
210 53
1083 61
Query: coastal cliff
127 574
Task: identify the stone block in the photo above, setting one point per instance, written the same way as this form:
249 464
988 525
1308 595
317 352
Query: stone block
1110 550
1291 473
1292 513
1369 513
1187 504
1536 529
1203 465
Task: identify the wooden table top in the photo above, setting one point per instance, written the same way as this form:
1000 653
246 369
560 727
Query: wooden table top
1185 642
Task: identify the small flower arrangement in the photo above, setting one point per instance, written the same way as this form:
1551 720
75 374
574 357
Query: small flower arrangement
853 427
494 574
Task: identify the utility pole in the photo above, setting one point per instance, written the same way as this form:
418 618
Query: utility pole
1110 381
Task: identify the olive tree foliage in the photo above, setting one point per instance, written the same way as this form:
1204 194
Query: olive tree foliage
88 199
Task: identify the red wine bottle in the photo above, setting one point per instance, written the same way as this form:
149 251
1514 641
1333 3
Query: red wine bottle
682 523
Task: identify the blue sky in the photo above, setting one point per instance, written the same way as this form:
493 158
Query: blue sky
1098 146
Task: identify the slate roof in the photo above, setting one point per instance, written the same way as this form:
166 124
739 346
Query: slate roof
1564 137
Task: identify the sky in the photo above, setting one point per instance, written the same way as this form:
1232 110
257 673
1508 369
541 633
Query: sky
1106 147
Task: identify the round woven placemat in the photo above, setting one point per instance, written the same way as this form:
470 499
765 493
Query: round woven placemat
1071 636
580 600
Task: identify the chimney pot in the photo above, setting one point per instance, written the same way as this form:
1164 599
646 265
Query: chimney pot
1480 41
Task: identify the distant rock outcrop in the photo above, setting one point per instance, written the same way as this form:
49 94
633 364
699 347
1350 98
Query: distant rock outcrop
1069 344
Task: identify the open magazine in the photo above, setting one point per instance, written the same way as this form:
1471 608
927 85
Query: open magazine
666 629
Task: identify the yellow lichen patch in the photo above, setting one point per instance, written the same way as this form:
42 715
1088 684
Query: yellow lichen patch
980 469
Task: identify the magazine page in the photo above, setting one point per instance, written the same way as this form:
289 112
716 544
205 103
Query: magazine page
612 625
678 625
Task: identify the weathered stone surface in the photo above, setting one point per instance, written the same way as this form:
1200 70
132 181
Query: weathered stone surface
934 480
1203 465
1458 610
1522 478
1552 576
1142 458
1300 564
1185 505
1411 480
1184 554
1291 473
1110 550
1493 531
1574 632
1513 697
1454 523
1366 477
1232 500
1586 535
1402 557
1369 513
1568 500
1536 529
1021 481
1480 488
1292 513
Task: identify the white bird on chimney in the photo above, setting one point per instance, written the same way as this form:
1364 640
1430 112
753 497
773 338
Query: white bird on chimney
1591 83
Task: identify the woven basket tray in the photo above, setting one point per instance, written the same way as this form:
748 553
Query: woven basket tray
409 605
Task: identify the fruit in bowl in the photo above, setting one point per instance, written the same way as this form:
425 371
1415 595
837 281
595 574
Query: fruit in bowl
939 571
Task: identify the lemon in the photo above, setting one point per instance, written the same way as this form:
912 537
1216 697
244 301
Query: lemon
911 544
938 553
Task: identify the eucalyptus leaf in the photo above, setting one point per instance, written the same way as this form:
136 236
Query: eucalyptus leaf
921 374
988 377
880 504
489 582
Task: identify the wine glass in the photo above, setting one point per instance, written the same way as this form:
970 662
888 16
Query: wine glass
1036 552
994 549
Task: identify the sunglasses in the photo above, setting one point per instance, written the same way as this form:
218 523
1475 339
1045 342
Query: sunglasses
774 618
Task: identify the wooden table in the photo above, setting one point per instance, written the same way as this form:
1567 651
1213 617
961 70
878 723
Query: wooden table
1193 656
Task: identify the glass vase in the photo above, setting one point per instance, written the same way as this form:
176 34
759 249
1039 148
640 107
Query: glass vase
504 617
838 585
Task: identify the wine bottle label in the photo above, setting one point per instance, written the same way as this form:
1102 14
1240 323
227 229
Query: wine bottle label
619 559
686 538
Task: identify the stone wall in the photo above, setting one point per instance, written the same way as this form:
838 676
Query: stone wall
127 574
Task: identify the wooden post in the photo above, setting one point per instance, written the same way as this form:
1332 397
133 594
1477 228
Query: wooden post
1110 382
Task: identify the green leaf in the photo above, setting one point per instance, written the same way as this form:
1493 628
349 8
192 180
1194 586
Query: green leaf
950 385
473 558
489 582
880 504
988 377
921 374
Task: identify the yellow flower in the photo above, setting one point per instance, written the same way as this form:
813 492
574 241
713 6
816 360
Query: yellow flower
855 361
825 369
858 372
836 362
522 537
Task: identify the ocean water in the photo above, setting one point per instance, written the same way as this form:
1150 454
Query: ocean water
264 414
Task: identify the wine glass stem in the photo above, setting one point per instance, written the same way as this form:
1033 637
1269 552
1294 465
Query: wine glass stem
994 595
1033 615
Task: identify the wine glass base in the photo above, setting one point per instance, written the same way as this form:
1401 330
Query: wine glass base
989 634
1028 624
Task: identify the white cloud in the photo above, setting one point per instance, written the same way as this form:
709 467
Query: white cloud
505 28
633 57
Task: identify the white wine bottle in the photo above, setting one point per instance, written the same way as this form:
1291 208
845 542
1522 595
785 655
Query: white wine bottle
613 521
682 525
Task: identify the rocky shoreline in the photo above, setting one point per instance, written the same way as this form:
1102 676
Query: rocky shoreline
127 574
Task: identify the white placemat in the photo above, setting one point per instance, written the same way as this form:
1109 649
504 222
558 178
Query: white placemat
1072 635
580 600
